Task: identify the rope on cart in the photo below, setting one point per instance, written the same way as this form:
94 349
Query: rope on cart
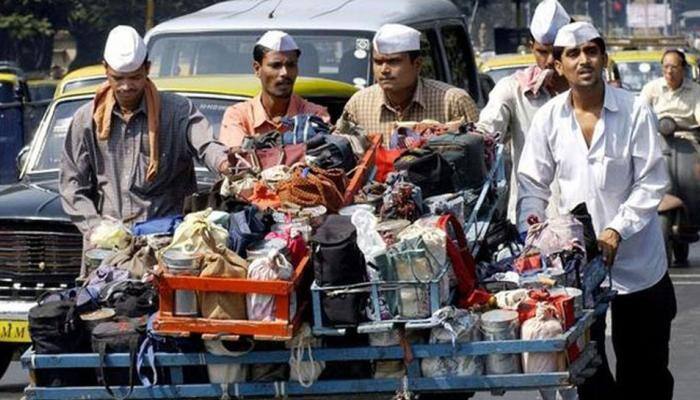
224 392
403 393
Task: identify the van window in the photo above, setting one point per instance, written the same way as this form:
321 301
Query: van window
342 56
456 43
431 57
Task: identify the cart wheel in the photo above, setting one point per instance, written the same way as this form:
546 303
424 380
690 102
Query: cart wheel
666 224
680 252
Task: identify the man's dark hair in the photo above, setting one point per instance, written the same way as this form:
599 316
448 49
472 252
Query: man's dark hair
259 52
414 54
557 52
679 52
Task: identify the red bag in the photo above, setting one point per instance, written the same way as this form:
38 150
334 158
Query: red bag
463 263
384 161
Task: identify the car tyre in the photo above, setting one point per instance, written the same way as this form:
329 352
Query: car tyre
7 351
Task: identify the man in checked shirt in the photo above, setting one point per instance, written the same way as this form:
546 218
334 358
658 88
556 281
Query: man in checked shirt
400 94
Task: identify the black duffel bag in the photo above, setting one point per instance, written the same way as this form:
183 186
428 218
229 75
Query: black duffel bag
428 170
124 336
465 154
55 328
130 298
338 261
331 151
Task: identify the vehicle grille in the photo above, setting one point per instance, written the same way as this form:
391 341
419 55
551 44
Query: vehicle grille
32 262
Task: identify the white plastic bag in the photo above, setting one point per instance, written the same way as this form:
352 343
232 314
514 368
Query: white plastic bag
273 266
110 234
304 372
510 299
563 232
544 325
368 240
457 326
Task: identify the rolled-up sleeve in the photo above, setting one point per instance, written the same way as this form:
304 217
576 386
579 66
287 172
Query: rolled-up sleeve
535 172
650 176
232 126
496 115
200 138
77 177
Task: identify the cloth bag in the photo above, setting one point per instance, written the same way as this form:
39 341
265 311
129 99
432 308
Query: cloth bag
221 263
139 258
191 233
456 326
304 372
310 186
563 232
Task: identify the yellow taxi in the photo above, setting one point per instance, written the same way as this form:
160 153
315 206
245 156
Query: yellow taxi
638 67
87 76
500 66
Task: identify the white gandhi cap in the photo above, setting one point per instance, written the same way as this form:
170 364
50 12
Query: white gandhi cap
548 18
278 41
125 50
396 38
576 34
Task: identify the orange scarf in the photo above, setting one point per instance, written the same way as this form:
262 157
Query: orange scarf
102 115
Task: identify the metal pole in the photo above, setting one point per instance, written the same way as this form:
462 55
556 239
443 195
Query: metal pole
150 11
665 19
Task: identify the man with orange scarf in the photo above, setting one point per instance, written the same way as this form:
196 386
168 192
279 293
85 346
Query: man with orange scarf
129 153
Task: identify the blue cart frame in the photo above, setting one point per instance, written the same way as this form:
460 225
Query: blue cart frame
412 382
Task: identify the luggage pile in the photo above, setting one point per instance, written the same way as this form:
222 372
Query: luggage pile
319 260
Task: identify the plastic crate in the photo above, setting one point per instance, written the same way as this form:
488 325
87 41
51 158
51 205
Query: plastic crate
291 299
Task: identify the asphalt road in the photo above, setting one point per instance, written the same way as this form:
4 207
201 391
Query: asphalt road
685 341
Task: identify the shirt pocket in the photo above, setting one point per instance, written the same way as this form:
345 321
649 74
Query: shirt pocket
144 187
615 174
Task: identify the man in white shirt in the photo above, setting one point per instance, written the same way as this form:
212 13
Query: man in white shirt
515 98
601 145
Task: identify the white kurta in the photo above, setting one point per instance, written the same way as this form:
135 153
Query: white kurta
510 111
621 178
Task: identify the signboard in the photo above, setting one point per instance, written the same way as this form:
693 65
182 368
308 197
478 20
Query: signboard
648 15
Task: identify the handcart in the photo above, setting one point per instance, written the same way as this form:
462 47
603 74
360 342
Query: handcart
412 382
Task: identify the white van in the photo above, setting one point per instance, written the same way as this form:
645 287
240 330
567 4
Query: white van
335 38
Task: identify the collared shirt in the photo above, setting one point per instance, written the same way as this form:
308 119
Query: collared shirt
682 104
249 118
621 178
432 99
101 178
510 111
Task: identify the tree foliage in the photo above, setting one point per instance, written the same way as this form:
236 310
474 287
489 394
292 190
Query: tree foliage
27 26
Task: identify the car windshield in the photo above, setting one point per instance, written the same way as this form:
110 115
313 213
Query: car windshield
635 75
342 56
498 74
52 146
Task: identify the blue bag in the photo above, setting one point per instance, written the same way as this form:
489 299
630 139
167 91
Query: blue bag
302 127
161 226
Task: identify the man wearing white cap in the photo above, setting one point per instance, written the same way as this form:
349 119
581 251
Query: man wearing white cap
276 63
400 94
128 154
601 145
515 98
